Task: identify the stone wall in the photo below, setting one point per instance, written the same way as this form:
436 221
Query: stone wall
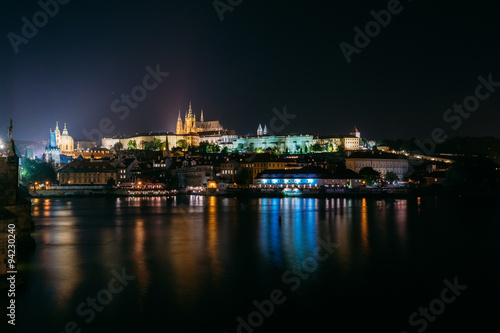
9 166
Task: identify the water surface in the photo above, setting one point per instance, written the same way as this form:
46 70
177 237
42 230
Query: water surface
198 263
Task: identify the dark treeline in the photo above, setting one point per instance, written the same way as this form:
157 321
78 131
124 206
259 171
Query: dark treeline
480 146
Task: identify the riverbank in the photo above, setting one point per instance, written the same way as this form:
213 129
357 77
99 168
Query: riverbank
264 192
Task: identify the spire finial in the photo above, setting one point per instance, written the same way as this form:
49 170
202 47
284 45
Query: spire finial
10 129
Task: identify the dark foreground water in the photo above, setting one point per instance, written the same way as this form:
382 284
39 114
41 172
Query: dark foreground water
207 264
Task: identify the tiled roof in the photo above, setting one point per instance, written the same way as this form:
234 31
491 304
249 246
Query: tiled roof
88 166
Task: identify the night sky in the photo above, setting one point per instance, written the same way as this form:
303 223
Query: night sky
263 55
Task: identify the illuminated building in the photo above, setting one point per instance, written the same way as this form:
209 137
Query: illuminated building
64 141
307 177
52 151
379 161
252 165
86 172
190 124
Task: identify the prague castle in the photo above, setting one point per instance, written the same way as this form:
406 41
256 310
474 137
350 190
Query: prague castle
191 132
190 124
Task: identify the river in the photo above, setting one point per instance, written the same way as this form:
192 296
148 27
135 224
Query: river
213 264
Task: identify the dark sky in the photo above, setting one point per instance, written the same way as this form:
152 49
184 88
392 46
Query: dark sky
264 55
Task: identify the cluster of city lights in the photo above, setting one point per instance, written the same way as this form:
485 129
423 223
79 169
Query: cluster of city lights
296 181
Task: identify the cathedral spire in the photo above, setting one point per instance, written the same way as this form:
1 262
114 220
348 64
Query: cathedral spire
264 132
179 129
57 126
190 113
10 129
201 119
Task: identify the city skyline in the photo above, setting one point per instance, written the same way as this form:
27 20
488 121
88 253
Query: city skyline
80 63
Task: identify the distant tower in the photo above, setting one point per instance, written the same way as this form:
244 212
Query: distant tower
259 130
355 132
52 152
201 118
58 135
178 129
190 123
265 130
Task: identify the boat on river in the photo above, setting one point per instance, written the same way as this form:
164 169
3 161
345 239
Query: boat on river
292 192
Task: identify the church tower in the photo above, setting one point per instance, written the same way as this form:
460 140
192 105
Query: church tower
190 123
259 130
58 135
355 132
178 128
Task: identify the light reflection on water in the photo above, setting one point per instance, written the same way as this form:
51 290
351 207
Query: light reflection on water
189 251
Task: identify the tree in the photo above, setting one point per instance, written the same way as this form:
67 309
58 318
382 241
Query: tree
370 176
391 177
417 177
341 150
182 144
132 144
317 147
471 174
251 147
34 171
152 145
203 147
156 144
118 146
